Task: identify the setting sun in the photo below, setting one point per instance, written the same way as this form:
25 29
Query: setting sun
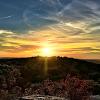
46 52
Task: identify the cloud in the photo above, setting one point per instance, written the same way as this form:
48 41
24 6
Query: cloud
73 18
5 32
68 26
5 17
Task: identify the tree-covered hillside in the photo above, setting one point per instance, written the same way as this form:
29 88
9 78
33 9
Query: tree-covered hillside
38 68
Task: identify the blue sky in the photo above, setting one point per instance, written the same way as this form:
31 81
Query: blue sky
57 22
13 13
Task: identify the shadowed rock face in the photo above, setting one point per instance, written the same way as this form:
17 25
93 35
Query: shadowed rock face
34 97
95 97
39 97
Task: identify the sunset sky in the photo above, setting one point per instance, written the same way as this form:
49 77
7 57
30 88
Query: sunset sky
68 27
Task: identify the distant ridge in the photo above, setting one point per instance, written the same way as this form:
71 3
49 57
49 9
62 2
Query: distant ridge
55 65
97 61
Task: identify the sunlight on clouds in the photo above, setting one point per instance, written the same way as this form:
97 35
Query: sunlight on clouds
70 28
10 45
6 32
78 45
61 44
19 41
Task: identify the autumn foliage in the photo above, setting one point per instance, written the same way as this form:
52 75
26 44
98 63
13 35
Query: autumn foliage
13 85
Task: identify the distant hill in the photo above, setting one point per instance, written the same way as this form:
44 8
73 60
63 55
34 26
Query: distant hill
38 68
97 61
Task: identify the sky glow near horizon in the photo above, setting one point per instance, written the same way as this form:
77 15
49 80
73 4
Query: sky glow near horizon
69 27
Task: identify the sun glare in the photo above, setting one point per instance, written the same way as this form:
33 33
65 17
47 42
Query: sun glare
46 52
